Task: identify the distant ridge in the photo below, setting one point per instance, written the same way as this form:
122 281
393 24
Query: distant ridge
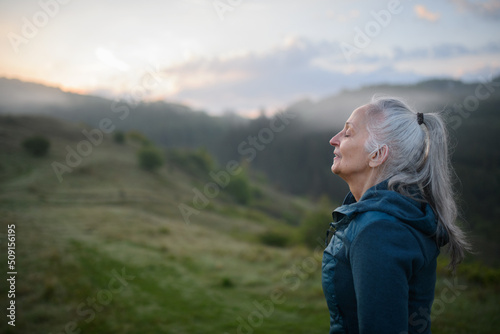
23 97
426 96
174 124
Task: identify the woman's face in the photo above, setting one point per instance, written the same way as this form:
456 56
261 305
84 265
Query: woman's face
351 159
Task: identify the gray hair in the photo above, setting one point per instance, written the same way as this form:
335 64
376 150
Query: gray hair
417 157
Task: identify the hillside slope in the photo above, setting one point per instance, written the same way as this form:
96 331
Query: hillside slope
108 216
107 251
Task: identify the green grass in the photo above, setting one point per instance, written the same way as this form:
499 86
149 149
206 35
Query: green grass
178 284
214 275
465 303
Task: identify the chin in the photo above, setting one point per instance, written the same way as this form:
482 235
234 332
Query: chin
334 171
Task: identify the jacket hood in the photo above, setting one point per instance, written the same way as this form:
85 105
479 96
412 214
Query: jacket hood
418 215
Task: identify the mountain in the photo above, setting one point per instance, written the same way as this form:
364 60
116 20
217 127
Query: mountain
291 149
161 121
20 97
169 124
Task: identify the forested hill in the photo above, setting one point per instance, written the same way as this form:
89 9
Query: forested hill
426 96
168 124
292 151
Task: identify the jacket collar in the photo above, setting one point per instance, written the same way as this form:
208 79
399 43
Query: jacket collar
347 209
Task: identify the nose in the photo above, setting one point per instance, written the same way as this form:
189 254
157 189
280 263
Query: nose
335 140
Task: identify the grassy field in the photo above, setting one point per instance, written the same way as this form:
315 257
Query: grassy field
107 251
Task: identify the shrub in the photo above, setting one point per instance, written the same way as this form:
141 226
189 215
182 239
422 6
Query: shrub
138 137
150 158
36 145
119 137
196 162
239 187
227 283
202 160
275 239
479 273
314 227
316 223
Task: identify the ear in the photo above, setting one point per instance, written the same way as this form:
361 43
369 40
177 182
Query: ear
378 157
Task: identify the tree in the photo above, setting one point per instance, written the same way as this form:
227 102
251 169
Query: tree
37 145
150 158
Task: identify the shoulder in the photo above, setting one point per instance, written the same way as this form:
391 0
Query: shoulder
377 236
373 222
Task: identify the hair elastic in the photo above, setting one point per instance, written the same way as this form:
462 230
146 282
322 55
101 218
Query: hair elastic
420 118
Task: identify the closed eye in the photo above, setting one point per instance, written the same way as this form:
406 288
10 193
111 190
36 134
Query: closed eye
347 130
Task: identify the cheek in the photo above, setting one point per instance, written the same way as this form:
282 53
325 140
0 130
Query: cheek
356 155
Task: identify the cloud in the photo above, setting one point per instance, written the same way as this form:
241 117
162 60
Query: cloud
445 51
343 17
425 14
250 79
487 8
301 68
274 79
297 68
432 52
108 58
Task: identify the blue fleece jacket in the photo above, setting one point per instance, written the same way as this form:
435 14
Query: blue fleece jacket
379 268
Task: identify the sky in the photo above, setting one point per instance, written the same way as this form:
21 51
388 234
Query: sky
244 55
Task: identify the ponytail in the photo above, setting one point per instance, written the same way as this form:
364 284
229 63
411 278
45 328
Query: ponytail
438 189
418 155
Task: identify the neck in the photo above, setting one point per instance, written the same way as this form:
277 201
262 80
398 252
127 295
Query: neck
359 185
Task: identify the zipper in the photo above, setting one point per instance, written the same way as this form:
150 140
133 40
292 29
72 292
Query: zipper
331 229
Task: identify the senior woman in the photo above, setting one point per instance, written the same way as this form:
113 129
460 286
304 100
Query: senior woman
379 268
